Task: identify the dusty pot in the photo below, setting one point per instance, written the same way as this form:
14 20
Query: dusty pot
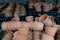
23 11
36 18
30 35
24 30
4 26
38 26
46 37
37 6
51 30
47 7
30 4
37 35
15 19
29 18
46 20
18 10
8 36
8 25
8 12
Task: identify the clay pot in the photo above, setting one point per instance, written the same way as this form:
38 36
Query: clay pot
25 24
47 7
31 25
8 36
29 18
37 35
8 12
30 35
46 20
18 10
4 26
51 30
36 18
30 4
8 25
23 11
20 37
15 35
46 37
15 19
38 26
17 25
24 30
37 6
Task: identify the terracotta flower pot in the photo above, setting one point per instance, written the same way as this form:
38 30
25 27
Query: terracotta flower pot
9 10
24 30
23 11
18 10
29 18
8 25
51 30
30 4
4 26
25 24
46 37
20 37
17 24
15 19
31 25
8 36
37 6
37 35
30 35
46 20
47 7
15 35
36 18
38 26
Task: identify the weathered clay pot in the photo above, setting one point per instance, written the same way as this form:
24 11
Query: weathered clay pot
8 36
30 35
31 25
36 18
8 12
46 20
15 19
38 26
29 18
18 10
4 26
8 25
37 6
15 35
23 11
37 35
47 7
20 37
25 24
30 4
46 37
51 30
24 30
